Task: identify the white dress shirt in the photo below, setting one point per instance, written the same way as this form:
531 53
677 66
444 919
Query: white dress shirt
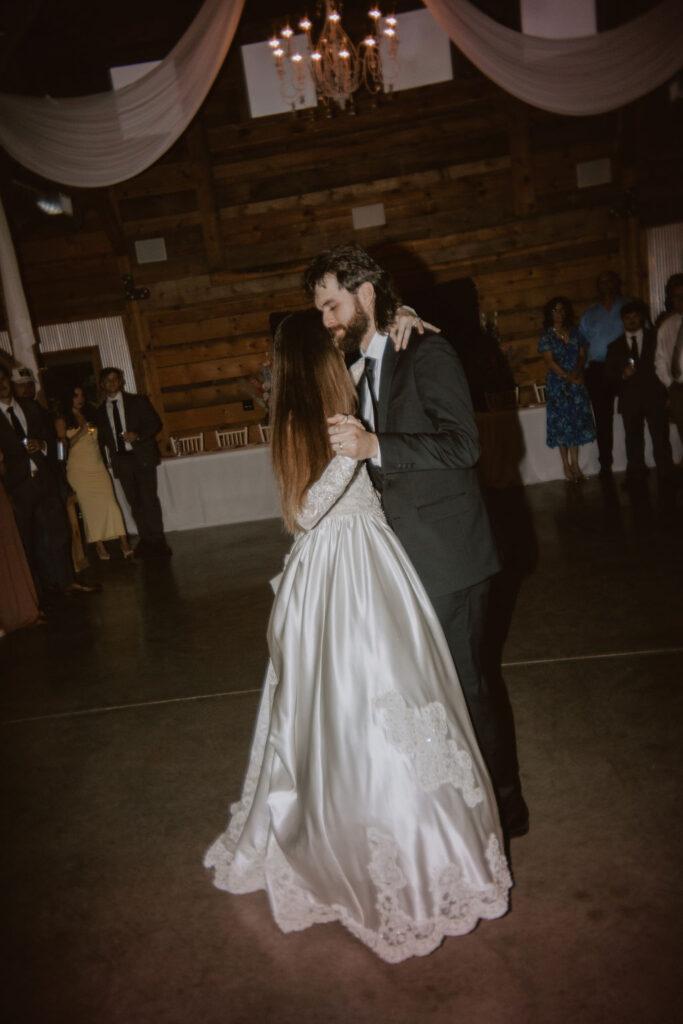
666 340
638 335
118 397
375 350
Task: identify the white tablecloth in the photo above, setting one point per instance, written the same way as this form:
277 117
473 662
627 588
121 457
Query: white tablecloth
217 488
213 489
514 449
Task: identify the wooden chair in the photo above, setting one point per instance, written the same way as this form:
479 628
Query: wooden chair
187 445
232 438
539 389
264 433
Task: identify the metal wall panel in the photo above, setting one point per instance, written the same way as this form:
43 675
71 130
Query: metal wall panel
665 257
105 332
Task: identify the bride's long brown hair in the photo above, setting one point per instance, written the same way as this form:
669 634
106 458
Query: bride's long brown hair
310 383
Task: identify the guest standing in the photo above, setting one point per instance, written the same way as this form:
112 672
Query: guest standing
569 422
127 426
27 440
600 325
87 475
641 397
18 597
669 354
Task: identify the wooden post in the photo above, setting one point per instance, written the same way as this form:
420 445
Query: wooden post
138 334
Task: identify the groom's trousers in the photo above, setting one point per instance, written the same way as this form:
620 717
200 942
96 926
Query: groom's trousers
462 615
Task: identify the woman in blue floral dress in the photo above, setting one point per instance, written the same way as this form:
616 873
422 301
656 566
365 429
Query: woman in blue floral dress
569 417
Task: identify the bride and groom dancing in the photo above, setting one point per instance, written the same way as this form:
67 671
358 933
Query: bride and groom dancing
381 766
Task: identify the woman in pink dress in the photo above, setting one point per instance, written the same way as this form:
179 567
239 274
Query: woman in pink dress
18 598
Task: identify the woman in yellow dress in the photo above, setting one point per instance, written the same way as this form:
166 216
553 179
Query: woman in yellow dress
87 475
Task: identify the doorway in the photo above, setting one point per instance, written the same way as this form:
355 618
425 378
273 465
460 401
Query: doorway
61 372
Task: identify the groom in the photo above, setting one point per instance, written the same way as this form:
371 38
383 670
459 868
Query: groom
422 447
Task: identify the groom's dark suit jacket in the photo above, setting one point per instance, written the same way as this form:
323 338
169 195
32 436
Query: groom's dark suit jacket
142 418
429 447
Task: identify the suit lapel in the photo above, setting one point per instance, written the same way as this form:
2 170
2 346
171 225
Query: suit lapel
389 363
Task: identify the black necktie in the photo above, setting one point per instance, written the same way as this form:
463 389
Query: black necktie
634 350
369 374
16 423
676 354
118 426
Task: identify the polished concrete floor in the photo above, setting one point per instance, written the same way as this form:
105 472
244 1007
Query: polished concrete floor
127 721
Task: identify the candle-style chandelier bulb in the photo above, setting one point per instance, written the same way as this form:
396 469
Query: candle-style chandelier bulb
336 66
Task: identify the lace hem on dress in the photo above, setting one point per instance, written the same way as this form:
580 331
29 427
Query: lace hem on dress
460 905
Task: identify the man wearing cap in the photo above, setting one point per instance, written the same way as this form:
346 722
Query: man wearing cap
28 445
23 382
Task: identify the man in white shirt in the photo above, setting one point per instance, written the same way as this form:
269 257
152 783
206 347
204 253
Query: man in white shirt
669 354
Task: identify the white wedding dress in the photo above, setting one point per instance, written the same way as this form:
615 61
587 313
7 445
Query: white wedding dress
366 800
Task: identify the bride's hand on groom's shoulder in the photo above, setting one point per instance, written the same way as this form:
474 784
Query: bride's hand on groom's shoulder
405 322
349 437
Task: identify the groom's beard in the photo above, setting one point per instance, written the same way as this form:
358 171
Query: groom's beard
348 337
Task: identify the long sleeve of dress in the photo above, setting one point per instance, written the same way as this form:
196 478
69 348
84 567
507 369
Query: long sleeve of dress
326 491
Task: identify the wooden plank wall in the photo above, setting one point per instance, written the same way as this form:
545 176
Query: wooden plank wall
474 184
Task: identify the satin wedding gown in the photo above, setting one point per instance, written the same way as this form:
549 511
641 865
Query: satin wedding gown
366 800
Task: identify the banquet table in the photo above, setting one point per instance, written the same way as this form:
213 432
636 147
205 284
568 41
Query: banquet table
214 489
219 488
513 448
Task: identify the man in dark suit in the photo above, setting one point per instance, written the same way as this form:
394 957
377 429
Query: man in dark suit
127 425
422 447
630 368
28 443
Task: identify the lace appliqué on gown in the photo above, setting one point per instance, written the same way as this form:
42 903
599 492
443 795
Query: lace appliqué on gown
460 905
327 489
344 488
422 734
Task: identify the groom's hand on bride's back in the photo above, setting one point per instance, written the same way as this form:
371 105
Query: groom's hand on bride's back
405 322
349 437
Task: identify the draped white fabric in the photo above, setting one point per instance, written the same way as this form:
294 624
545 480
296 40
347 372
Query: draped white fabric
579 77
98 140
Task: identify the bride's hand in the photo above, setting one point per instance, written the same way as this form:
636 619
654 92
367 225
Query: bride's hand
349 437
405 321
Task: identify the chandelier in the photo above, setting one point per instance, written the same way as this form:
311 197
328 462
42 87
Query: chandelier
336 67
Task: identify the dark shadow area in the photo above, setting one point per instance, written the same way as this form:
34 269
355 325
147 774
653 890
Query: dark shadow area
452 306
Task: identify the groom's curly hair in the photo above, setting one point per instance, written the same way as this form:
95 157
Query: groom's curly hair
352 266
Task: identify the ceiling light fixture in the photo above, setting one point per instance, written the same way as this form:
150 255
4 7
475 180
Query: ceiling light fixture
336 67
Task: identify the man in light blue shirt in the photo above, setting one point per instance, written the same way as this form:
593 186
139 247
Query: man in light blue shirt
600 325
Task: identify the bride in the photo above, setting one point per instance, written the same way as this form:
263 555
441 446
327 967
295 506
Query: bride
366 800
